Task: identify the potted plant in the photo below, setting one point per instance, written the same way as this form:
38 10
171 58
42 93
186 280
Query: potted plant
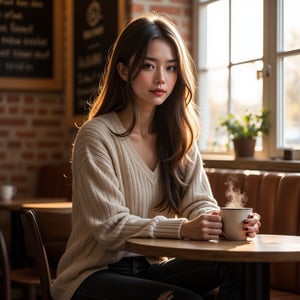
244 130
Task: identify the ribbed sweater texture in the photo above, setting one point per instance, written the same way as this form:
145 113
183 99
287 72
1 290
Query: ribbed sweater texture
114 195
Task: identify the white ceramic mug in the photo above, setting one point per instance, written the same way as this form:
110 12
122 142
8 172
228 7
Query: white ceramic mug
7 191
232 219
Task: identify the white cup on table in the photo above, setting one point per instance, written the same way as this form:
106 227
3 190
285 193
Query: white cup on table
7 191
233 218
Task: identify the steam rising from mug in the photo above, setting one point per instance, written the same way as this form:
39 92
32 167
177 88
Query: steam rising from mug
235 197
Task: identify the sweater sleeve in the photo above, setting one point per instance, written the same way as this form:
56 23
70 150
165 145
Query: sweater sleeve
99 197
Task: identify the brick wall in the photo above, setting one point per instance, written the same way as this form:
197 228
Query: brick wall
32 133
33 129
180 11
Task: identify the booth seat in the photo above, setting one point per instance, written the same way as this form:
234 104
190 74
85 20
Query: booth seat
276 197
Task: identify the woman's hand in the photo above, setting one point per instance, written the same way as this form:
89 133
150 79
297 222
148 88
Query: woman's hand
204 227
252 225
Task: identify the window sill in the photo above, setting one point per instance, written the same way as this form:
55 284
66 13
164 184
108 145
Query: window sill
229 162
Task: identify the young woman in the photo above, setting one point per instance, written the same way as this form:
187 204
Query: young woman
137 172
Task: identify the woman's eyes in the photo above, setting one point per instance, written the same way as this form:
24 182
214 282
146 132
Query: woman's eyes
148 66
172 68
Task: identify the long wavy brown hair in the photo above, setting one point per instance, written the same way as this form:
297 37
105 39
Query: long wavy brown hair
175 122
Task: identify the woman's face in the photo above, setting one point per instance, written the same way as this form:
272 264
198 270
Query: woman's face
158 75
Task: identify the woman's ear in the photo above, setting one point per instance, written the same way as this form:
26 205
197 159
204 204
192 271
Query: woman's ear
122 70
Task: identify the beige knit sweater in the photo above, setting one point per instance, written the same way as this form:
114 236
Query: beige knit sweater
114 193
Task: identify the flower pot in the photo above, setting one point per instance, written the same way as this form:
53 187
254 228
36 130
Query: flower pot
244 147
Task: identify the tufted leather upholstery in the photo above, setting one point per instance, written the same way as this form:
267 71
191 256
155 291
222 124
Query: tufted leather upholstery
276 197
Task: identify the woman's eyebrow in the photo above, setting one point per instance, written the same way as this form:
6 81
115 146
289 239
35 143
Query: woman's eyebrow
154 59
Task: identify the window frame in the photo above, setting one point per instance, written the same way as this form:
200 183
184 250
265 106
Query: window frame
272 76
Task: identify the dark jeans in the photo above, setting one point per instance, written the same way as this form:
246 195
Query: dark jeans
133 278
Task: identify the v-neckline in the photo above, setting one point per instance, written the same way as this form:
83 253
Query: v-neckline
153 173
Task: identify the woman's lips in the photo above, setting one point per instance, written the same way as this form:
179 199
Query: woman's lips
158 92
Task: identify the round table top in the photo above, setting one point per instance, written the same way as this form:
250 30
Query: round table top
48 205
263 248
17 204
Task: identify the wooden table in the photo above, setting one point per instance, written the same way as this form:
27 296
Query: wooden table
14 207
48 205
258 252
17 204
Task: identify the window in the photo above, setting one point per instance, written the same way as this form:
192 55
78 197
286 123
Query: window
248 57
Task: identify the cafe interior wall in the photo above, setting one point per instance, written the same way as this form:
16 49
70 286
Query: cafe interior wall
33 127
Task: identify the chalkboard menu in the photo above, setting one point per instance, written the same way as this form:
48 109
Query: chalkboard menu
28 42
95 26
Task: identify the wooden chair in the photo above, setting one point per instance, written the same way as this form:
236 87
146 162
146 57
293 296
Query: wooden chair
4 269
50 230
27 277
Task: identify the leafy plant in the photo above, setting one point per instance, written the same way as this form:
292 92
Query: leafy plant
247 126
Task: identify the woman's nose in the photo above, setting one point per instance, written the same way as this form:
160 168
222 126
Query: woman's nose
160 79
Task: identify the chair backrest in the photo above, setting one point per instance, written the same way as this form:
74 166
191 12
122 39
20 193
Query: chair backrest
4 270
49 230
